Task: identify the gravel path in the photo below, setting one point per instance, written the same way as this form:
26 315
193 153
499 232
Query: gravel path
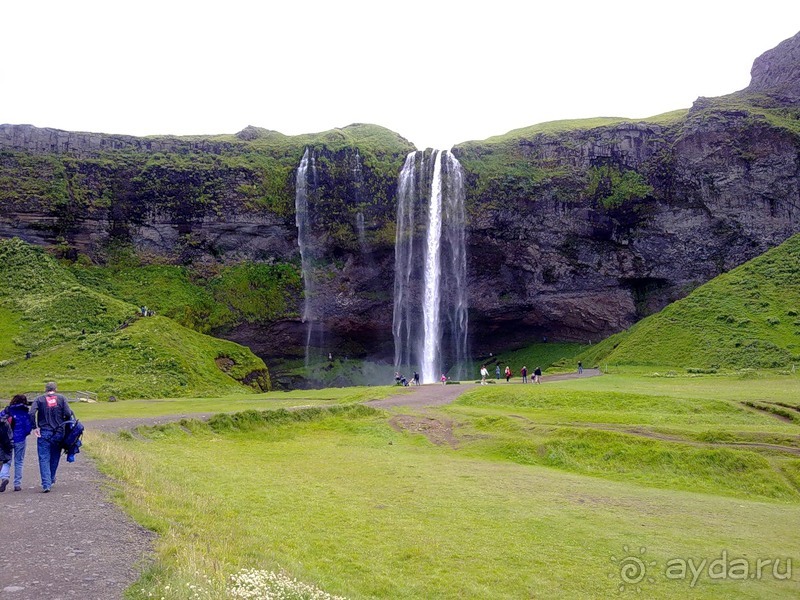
74 543
70 543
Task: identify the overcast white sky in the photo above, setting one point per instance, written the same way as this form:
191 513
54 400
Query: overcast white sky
438 72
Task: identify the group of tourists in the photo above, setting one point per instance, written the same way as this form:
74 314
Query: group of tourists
55 427
401 380
535 378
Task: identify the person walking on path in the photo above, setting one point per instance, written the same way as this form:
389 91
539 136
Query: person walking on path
21 427
580 367
524 373
497 372
508 373
416 378
484 375
537 375
50 413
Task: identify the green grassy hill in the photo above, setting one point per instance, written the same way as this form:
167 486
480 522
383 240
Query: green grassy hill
87 340
201 299
747 318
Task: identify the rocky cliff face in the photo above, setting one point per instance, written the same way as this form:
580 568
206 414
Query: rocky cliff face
573 232
776 73
582 253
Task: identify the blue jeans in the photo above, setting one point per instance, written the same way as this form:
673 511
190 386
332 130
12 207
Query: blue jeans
49 448
19 458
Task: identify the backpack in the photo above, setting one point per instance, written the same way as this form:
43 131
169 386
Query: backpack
73 432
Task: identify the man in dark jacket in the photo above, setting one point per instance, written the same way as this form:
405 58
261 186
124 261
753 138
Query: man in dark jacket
21 426
49 412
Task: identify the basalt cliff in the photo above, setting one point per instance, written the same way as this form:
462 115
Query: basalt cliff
575 230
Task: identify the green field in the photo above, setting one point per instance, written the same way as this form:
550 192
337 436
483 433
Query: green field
227 404
530 492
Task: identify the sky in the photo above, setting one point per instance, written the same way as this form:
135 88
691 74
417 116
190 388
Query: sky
438 72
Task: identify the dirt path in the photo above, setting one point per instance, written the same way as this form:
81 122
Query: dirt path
70 543
437 394
74 543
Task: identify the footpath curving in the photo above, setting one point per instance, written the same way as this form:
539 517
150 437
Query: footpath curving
74 543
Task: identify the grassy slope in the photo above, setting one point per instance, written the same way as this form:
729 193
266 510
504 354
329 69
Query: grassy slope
548 480
90 341
566 125
202 301
747 318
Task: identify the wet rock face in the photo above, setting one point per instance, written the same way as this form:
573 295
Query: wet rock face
777 71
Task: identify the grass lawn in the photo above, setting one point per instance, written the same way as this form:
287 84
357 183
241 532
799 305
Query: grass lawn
227 404
551 491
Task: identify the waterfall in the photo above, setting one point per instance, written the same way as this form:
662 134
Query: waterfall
362 232
454 270
303 222
430 321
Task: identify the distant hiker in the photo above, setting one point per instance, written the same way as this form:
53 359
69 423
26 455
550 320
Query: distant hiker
524 374
50 414
508 373
6 452
21 426
497 372
580 367
330 356
443 378
397 378
537 375
416 378
484 375
403 381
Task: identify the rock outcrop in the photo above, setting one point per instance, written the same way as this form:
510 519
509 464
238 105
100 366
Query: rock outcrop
776 73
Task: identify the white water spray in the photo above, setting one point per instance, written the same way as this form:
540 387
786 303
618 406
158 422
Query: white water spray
430 312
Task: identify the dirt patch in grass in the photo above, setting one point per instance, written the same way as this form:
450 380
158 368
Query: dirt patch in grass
439 432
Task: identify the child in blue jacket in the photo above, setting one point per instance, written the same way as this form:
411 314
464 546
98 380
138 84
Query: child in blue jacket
21 424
